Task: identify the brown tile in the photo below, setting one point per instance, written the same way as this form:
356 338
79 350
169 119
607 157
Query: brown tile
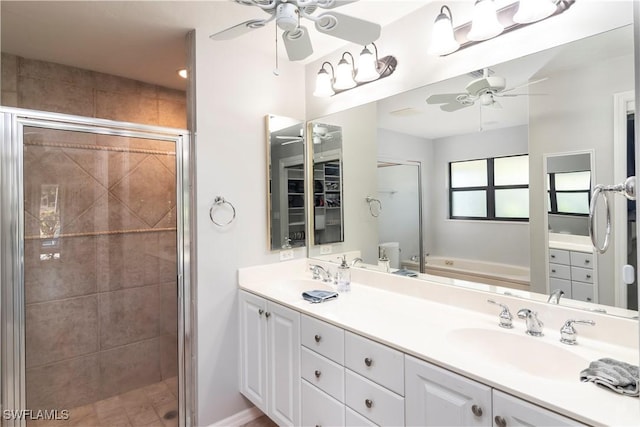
139 409
107 214
149 190
59 330
166 413
72 274
172 383
263 421
170 220
129 367
171 94
136 143
159 394
55 72
64 385
9 99
83 416
169 161
165 252
169 308
124 86
124 107
9 65
54 96
169 355
31 225
128 316
172 113
56 136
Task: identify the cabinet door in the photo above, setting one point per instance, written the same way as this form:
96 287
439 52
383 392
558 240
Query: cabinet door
253 349
509 411
437 397
283 331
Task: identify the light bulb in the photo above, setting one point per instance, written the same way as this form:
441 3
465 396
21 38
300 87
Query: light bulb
367 70
323 84
534 10
344 76
485 23
443 41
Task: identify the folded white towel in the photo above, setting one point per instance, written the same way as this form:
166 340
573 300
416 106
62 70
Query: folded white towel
614 375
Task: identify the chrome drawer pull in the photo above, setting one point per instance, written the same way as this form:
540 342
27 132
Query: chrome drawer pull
553 270
368 361
477 411
318 373
368 403
260 312
500 422
267 315
588 276
317 338
586 261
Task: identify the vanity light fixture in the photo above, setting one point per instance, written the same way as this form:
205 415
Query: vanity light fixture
488 22
346 76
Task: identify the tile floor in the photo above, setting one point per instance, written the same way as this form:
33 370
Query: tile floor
145 406
263 421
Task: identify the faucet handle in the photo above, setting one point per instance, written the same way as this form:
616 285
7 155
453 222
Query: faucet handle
506 319
568 333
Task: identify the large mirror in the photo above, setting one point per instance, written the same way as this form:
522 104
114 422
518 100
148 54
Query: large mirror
286 192
485 166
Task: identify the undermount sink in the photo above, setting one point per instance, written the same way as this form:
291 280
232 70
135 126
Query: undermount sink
523 353
300 285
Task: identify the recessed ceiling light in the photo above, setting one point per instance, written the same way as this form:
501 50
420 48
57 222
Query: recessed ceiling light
182 73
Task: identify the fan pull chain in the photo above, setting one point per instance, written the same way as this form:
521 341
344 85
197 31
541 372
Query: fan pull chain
276 71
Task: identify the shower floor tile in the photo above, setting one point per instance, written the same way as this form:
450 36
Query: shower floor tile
154 405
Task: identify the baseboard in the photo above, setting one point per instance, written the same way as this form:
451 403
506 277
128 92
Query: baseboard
242 417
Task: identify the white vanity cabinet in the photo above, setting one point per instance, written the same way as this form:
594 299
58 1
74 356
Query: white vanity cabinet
270 358
509 411
437 397
572 272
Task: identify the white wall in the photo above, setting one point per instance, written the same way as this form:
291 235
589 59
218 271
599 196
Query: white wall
477 239
235 90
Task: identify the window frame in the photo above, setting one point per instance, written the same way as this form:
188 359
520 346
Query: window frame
552 193
490 191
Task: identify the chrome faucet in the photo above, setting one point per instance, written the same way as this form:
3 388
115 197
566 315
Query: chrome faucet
506 319
554 297
355 261
568 333
534 325
319 272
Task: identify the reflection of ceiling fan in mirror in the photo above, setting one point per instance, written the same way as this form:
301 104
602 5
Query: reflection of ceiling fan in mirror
485 90
288 13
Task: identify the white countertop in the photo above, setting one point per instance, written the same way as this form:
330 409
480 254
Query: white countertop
418 318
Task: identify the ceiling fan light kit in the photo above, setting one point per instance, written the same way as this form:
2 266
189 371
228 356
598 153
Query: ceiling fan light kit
346 76
488 22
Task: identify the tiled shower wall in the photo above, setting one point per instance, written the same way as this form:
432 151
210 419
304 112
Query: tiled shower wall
101 301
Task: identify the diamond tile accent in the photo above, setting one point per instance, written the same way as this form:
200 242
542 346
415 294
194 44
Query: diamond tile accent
107 167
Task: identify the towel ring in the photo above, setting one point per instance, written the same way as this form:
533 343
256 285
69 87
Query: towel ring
627 189
218 201
371 202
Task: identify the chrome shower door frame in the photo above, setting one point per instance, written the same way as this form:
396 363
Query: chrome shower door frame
12 299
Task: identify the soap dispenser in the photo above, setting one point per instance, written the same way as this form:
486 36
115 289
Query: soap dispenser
343 276
383 262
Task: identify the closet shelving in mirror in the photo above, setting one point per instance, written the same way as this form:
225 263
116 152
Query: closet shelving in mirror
327 189
296 203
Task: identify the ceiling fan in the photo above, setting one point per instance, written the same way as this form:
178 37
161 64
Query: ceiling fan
484 90
288 15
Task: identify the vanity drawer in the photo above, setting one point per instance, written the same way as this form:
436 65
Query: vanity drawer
320 409
558 256
560 271
562 284
378 404
323 373
375 361
581 274
582 291
582 259
323 338
354 419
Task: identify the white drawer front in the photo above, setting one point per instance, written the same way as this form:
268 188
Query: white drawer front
560 271
581 274
319 409
558 256
322 338
378 404
323 373
354 419
562 284
582 259
375 361
582 291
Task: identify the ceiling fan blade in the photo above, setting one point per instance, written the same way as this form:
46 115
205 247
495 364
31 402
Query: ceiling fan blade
287 138
525 85
240 29
332 4
348 28
443 98
454 106
297 43
512 95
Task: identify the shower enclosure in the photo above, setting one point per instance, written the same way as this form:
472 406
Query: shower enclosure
93 236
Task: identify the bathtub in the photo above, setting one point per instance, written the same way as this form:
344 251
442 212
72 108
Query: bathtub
510 276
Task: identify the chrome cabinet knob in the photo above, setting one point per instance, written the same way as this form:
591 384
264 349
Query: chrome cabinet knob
368 403
267 315
500 421
317 338
368 361
317 374
260 312
477 410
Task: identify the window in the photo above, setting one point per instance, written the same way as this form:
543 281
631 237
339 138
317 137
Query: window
569 193
490 189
